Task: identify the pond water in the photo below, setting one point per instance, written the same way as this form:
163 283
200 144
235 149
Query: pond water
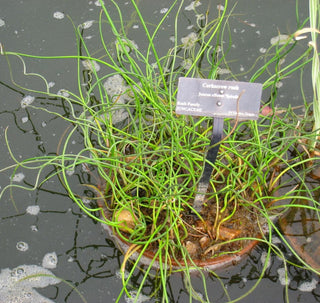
43 231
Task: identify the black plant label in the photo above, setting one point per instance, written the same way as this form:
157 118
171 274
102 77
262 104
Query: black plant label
218 98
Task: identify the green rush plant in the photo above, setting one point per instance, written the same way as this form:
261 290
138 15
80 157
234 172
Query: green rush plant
147 160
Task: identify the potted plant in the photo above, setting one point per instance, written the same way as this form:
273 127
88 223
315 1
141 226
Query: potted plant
147 160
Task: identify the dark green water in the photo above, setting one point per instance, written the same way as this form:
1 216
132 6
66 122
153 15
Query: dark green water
87 258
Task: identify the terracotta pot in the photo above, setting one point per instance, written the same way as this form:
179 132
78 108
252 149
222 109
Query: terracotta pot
209 264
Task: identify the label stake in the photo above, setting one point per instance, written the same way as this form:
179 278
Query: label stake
218 99
212 153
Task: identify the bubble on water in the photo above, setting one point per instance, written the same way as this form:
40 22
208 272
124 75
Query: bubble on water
58 15
22 246
163 10
283 279
18 177
2 23
33 210
27 100
16 285
97 3
34 227
220 7
70 259
24 119
87 24
51 84
63 93
192 5
50 260
308 286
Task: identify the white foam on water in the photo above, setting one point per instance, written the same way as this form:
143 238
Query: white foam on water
97 3
189 40
22 246
16 285
18 177
308 286
33 210
87 24
2 23
91 65
220 7
282 277
192 5
134 299
70 172
50 260
281 39
63 93
27 100
51 84
58 15
24 119
263 259
276 240
163 10
34 228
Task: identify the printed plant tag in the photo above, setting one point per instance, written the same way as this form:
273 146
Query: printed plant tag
218 98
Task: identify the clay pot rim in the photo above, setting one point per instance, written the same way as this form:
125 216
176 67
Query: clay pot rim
210 264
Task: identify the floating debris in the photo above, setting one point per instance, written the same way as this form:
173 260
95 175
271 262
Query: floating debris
33 210
2 23
24 119
26 101
58 15
50 260
17 285
22 246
